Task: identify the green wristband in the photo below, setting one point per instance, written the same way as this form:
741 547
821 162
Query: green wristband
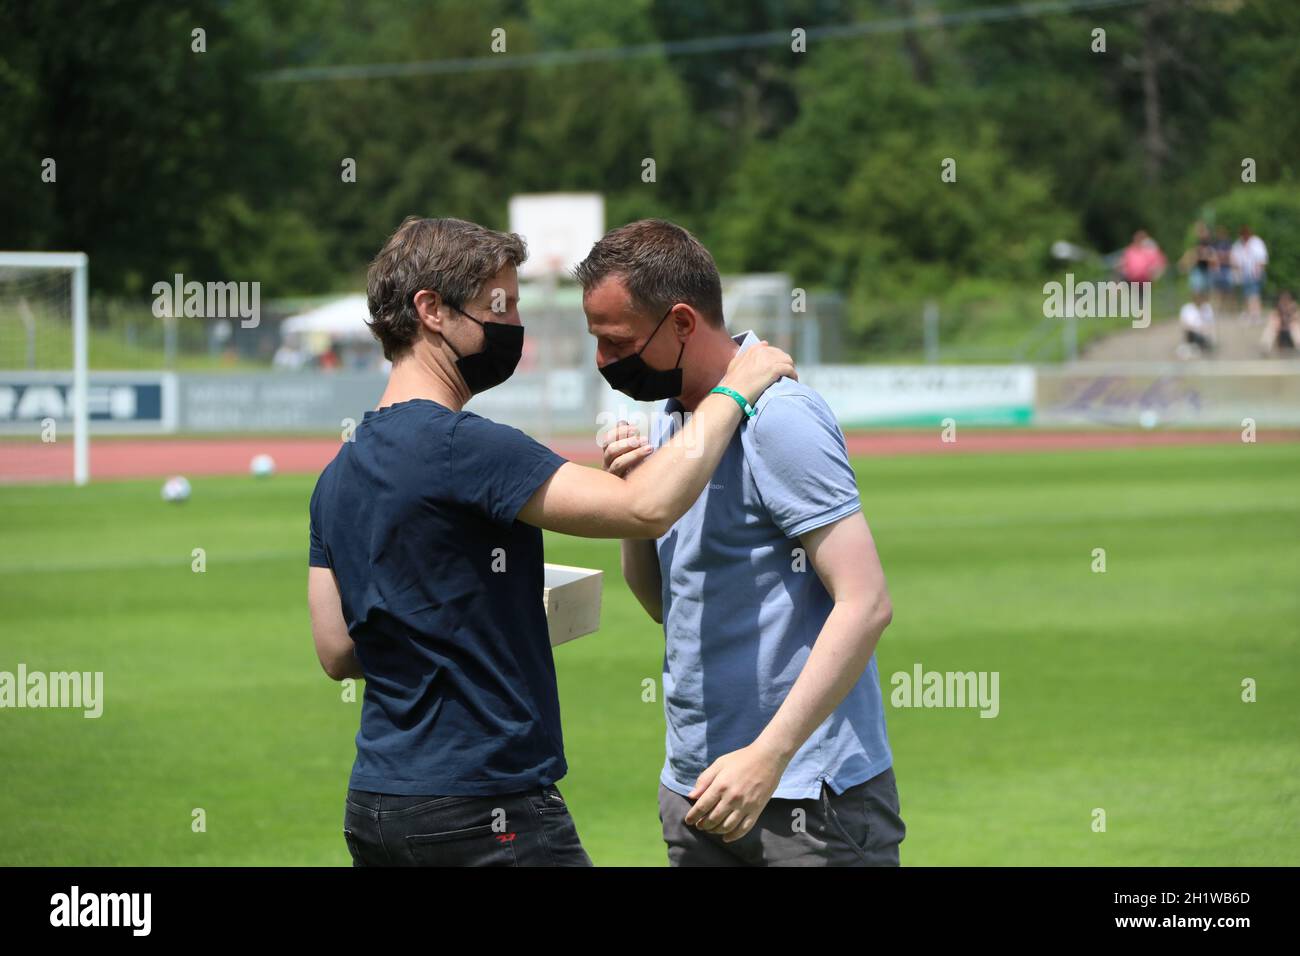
745 407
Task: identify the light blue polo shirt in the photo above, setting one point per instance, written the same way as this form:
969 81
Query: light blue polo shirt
742 607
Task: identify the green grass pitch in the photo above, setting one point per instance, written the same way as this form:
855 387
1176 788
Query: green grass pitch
1119 690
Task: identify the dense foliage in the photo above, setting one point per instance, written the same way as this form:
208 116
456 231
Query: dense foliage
826 163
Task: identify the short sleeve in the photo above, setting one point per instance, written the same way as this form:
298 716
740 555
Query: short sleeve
800 464
316 556
494 468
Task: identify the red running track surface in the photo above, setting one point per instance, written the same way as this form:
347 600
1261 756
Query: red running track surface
160 457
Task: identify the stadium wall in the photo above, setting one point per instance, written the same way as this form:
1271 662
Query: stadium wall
571 401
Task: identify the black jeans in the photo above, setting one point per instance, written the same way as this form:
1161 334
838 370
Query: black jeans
532 828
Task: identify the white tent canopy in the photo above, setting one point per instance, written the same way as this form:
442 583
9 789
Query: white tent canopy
343 318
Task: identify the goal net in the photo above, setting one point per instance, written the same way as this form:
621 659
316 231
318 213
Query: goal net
43 379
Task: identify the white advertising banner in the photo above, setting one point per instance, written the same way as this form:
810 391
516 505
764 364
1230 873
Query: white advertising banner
865 395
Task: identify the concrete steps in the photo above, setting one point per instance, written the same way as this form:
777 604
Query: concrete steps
1238 340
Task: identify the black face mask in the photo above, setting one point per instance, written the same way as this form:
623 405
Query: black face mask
637 380
503 345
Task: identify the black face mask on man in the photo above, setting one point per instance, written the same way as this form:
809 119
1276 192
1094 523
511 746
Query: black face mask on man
503 345
637 380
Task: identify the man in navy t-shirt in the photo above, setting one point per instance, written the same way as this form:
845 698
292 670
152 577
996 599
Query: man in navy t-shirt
426 562
421 525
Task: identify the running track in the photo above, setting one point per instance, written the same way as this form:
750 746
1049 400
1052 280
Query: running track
160 457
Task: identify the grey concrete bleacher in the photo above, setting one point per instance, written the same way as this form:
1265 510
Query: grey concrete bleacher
1238 340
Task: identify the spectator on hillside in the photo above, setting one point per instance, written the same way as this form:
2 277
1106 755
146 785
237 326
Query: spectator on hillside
1249 259
1282 332
1141 262
1199 261
1223 282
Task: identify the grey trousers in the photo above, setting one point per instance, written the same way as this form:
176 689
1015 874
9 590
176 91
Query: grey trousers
859 827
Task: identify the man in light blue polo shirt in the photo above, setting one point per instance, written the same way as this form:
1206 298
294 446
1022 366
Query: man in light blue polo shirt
769 588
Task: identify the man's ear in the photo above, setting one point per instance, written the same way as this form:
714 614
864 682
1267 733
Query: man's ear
684 319
427 303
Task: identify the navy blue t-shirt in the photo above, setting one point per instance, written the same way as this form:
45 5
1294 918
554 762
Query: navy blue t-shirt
442 593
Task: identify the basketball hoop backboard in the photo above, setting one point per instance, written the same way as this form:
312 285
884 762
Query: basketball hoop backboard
560 229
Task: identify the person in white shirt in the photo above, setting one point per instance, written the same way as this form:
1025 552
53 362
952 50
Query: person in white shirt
1249 258
1197 321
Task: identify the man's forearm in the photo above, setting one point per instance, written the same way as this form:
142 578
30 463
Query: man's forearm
640 562
838 657
349 666
667 483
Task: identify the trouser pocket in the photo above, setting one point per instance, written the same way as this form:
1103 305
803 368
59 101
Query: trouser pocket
472 846
557 836
865 819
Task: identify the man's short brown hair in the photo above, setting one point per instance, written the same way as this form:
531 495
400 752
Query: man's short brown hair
449 256
660 263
